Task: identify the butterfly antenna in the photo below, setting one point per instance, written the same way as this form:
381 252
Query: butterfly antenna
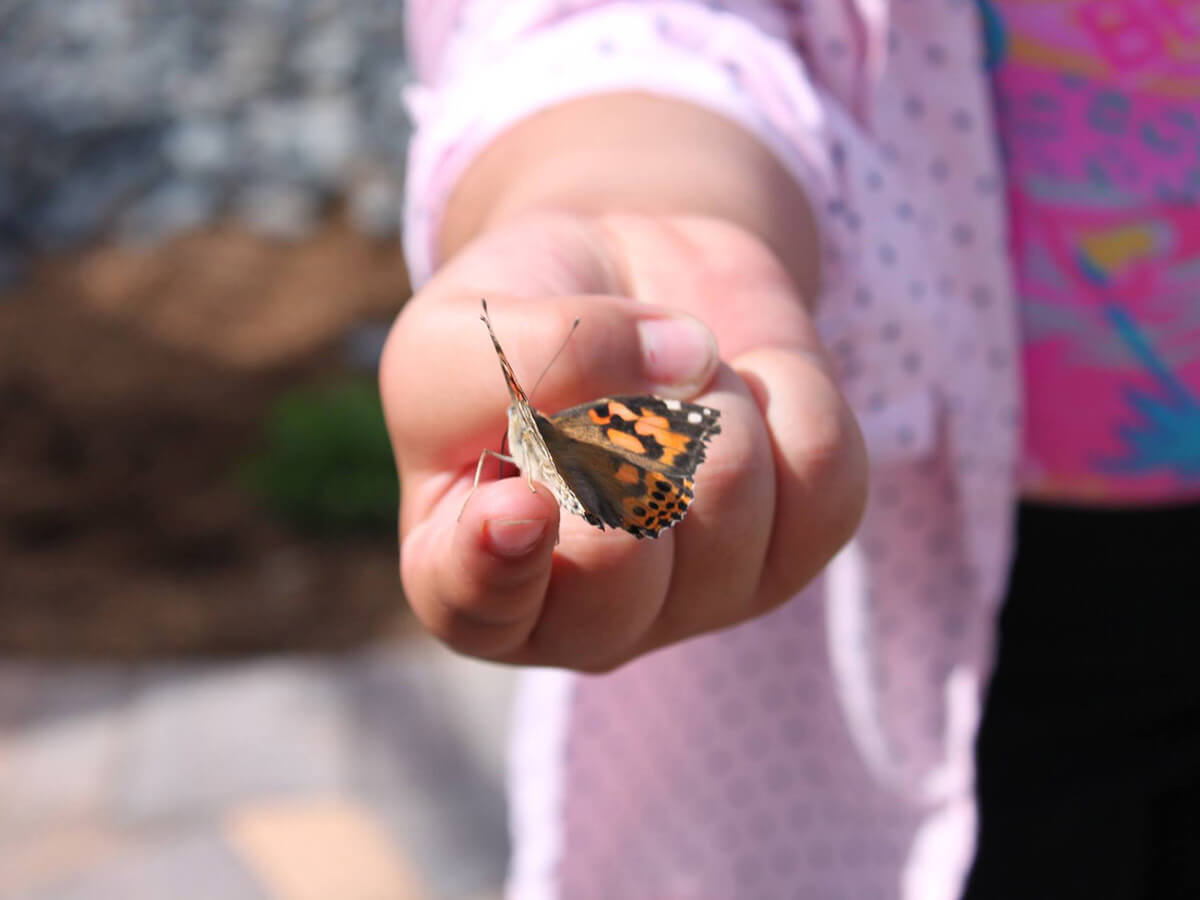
557 354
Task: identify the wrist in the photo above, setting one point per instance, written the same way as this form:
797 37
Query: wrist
636 153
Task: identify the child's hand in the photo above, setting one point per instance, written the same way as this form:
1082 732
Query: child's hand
782 488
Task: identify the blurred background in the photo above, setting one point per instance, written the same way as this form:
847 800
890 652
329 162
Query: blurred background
209 684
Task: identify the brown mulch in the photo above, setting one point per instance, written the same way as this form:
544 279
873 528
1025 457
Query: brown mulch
132 381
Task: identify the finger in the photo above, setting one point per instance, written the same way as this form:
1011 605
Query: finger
715 577
619 346
493 584
742 292
547 255
479 582
820 462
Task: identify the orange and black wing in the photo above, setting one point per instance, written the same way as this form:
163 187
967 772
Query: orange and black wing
631 460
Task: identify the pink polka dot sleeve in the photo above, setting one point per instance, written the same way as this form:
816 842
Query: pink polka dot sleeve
484 65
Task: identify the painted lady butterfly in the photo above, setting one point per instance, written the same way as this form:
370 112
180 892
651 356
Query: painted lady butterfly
625 462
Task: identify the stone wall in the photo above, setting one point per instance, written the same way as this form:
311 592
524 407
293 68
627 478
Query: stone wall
137 119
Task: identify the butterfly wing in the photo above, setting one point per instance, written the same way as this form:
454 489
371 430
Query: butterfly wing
631 460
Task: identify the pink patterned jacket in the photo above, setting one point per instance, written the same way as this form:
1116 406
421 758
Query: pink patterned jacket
823 750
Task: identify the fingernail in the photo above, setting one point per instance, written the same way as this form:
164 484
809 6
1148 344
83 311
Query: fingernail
514 537
676 351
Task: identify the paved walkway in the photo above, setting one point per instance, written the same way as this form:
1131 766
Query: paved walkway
375 775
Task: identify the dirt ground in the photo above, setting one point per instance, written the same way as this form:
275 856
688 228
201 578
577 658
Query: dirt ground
132 381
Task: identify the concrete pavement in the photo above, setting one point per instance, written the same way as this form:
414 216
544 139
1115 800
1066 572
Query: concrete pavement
362 776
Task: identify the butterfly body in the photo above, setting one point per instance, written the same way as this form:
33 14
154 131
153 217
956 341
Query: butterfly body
532 456
624 462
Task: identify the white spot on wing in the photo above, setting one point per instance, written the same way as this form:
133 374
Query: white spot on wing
695 418
673 405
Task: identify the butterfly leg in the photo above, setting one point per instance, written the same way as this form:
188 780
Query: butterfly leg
479 471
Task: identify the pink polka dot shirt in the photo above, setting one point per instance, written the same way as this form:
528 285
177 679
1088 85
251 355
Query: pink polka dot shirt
822 751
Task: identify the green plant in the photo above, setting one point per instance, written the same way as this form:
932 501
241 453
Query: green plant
325 464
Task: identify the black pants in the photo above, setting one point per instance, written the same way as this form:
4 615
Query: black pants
1089 751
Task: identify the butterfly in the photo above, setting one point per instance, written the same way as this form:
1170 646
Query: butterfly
624 462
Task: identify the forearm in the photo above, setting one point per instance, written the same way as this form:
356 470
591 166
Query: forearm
636 153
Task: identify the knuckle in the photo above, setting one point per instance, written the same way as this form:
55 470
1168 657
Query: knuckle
842 498
468 636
